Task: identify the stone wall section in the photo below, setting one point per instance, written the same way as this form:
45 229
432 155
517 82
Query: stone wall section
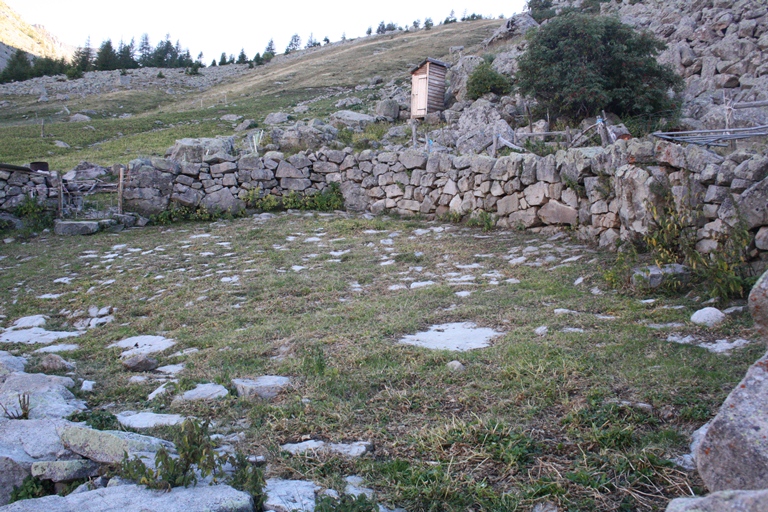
603 193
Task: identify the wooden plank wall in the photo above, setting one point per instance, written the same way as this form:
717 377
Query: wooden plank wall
436 87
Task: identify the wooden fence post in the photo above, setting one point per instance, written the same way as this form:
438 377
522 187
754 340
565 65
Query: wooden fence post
120 191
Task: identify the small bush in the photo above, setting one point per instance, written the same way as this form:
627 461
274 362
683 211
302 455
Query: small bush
485 79
483 220
100 420
578 64
35 216
31 487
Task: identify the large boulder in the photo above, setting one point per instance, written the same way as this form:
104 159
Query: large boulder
758 305
734 452
75 227
110 446
753 206
136 498
723 501
515 26
459 74
351 119
193 150
49 396
389 109
222 200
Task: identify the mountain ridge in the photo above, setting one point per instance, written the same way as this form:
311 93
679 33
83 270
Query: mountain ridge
16 33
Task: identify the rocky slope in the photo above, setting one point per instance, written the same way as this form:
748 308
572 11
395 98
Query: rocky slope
15 33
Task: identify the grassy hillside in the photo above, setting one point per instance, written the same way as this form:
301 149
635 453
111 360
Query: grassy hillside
160 118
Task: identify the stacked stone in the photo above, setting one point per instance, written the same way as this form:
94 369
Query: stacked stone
16 186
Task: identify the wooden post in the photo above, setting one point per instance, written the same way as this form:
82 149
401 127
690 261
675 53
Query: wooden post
61 197
120 191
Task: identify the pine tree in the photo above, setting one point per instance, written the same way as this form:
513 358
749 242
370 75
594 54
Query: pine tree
106 57
381 28
270 48
126 55
294 44
369 31
242 58
18 68
83 58
213 63
223 59
258 59
145 51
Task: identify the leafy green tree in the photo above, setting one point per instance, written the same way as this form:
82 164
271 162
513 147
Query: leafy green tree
416 24
106 57
326 40
428 24
577 65
381 28
18 68
213 63
369 31
541 10
258 60
451 18
242 58
223 59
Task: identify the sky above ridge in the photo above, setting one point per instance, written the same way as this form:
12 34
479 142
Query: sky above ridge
231 25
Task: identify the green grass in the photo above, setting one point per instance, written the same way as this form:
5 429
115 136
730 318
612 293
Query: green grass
531 418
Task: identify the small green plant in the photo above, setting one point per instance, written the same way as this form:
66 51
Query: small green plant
345 136
98 419
329 199
672 238
485 79
34 214
346 503
31 487
293 201
196 456
23 411
484 220
160 74
619 274
452 216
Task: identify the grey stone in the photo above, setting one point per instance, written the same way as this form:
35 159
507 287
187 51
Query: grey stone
753 206
758 305
289 495
207 391
65 470
141 420
723 501
55 363
555 212
193 150
350 450
222 200
458 337
266 386
72 228
142 345
276 118
733 453
49 396
455 366
109 446
136 498
10 363
388 108
140 363
708 316
654 276
351 119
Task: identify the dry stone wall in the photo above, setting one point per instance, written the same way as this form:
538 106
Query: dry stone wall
604 194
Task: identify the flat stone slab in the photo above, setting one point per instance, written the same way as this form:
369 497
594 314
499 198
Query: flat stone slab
64 470
266 386
289 495
73 228
136 498
140 420
52 349
351 450
457 337
29 321
49 395
10 363
35 335
109 446
208 391
143 345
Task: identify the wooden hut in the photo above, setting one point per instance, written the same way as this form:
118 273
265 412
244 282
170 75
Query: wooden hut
428 88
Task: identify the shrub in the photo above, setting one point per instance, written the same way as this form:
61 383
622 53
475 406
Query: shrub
577 65
485 79
35 216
